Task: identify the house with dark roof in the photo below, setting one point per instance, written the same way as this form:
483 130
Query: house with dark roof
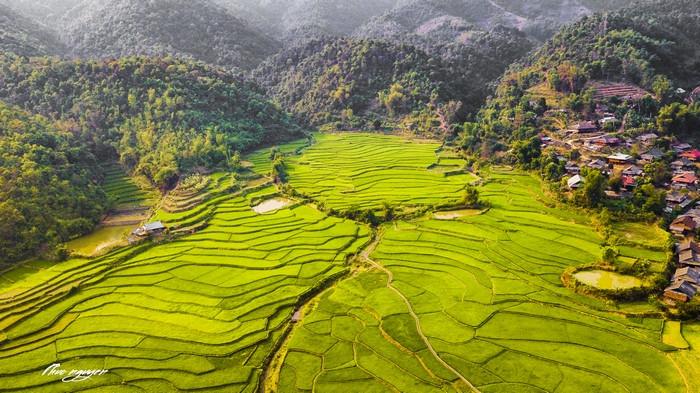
651 156
607 141
597 164
632 171
572 168
648 139
586 127
681 147
680 291
675 200
688 254
688 274
682 164
683 226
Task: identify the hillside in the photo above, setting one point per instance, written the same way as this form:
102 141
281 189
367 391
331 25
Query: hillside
45 11
652 46
299 20
158 116
321 80
48 185
20 35
457 20
192 29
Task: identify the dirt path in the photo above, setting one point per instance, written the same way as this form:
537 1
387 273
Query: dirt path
366 256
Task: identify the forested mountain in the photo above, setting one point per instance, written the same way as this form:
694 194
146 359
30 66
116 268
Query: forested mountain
49 188
653 45
195 29
441 21
20 35
322 79
46 11
158 116
299 20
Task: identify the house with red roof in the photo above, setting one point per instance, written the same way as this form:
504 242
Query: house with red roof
685 180
629 182
692 155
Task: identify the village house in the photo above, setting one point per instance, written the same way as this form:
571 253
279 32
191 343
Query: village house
680 291
692 155
150 229
676 200
598 164
606 141
586 127
619 159
608 119
683 226
688 254
651 156
683 164
629 182
575 182
688 274
572 168
686 180
632 171
681 147
648 139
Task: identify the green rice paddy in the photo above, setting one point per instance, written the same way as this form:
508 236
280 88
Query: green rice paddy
450 302
364 171
125 192
200 312
482 292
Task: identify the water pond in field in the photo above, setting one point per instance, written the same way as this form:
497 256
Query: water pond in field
455 214
271 205
607 280
100 240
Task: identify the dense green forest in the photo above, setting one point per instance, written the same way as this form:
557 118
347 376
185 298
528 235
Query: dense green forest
49 190
158 116
341 79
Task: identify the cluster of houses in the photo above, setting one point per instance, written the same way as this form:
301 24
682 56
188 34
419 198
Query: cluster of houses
607 154
685 282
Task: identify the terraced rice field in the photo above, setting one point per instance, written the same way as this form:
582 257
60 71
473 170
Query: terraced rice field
364 171
478 301
199 313
123 191
259 160
457 301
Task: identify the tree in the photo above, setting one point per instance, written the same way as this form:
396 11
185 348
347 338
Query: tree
593 191
470 197
661 86
527 152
